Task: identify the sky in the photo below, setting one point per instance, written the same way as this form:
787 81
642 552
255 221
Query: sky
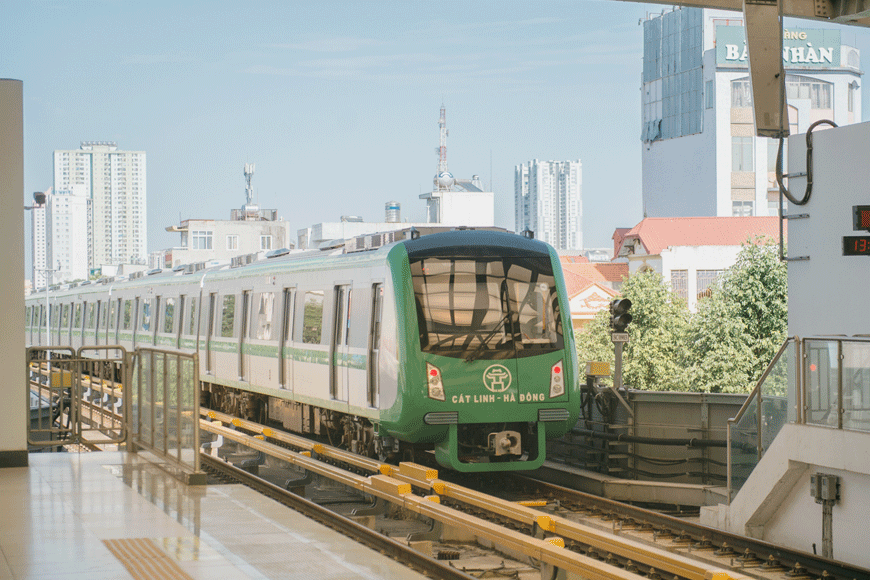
336 103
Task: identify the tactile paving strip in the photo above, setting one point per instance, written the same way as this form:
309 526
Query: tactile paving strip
145 560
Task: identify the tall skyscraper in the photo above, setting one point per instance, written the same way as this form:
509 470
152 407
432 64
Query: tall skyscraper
548 201
700 155
114 182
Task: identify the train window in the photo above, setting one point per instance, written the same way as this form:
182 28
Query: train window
77 317
228 313
41 316
490 308
64 321
128 314
168 315
312 320
90 318
146 315
191 318
263 316
28 314
113 315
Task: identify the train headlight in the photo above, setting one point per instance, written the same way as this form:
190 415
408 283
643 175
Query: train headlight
557 380
436 387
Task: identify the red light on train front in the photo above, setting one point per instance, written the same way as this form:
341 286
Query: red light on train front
436 387
557 381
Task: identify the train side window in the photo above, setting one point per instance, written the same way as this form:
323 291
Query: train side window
312 319
168 315
182 302
28 313
228 314
128 314
113 315
64 322
77 317
263 317
145 317
91 315
191 318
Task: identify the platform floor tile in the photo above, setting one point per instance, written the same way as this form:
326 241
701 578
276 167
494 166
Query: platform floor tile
113 515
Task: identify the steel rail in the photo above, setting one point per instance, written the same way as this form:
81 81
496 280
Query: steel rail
550 550
817 565
358 532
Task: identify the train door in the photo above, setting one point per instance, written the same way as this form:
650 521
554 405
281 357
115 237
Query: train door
373 388
244 355
285 353
339 351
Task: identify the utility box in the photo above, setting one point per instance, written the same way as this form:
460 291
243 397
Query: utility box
825 487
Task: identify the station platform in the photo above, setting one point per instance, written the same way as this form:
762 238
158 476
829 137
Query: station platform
114 515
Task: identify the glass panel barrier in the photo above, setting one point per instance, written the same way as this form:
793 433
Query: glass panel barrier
856 386
821 372
750 433
166 408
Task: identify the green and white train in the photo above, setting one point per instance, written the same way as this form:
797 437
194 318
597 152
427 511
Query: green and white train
454 342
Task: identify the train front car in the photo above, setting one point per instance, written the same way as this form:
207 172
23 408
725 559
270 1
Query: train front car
487 364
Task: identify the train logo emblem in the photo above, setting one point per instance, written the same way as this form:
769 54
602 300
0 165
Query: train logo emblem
497 378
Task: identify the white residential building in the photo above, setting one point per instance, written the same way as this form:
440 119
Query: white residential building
37 217
690 253
66 218
700 153
548 201
115 183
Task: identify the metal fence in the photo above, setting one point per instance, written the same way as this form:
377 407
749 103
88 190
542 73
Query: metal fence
75 397
100 395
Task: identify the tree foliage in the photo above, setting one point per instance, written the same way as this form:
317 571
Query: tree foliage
724 347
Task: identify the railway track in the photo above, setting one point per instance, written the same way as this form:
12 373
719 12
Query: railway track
553 526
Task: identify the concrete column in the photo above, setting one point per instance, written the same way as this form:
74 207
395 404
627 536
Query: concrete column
13 422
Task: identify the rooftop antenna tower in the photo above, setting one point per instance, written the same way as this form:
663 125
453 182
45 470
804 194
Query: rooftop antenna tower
443 178
249 190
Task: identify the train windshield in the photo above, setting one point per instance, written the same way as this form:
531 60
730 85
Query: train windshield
487 308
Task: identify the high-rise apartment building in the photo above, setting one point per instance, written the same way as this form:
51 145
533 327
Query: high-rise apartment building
548 201
38 249
700 154
66 218
114 182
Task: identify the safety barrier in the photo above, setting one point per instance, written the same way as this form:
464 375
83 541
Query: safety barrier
75 397
827 379
164 409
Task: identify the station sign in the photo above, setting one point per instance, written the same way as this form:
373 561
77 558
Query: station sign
801 48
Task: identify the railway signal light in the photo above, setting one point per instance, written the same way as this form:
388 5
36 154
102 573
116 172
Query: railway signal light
619 315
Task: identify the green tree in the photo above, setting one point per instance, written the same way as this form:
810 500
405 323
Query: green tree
719 357
756 289
654 358
722 348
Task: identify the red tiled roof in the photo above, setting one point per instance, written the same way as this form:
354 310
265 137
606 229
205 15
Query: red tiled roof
657 234
580 275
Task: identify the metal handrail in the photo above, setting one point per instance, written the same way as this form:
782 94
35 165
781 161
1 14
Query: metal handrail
756 392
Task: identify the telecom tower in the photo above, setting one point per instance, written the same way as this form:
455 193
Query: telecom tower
443 179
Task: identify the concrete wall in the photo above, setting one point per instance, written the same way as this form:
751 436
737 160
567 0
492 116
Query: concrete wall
13 426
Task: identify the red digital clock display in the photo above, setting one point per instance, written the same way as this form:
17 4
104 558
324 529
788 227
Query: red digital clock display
856 245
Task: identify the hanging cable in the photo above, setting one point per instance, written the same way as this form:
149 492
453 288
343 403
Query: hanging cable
779 176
